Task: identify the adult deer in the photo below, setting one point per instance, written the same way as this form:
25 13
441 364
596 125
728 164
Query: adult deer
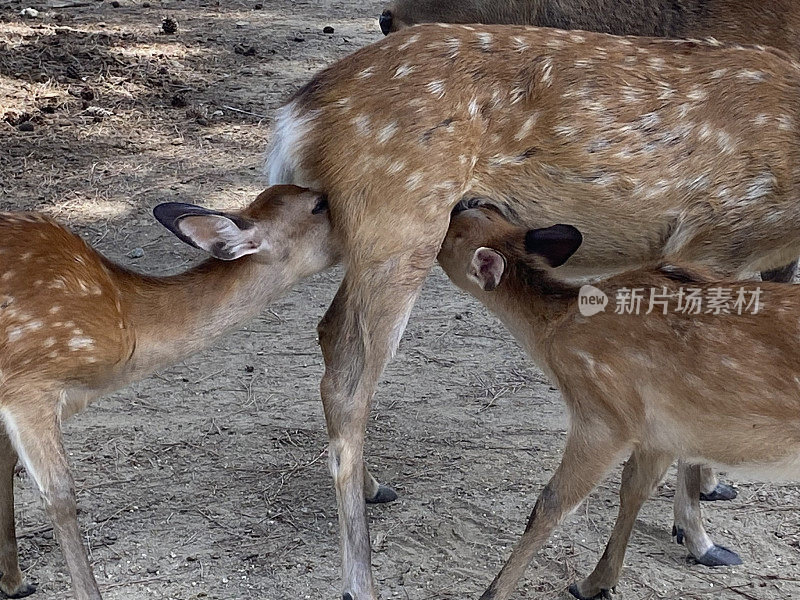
715 383
774 23
75 326
653 148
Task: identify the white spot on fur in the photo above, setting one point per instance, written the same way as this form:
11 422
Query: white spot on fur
366 73
719 73
697 94
412 40
79 342
785 123
396 167
7 275
517 94
361 123
526 127
402 71
761 186
751 75
13 333
414 180
454 45
436 88
547 71
485 40
49 342
386 133
473 107
520 45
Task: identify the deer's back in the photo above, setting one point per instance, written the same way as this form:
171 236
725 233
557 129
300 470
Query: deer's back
61 322
645 145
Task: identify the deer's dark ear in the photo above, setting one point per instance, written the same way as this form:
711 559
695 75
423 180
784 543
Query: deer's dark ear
486 268
222 235
554 244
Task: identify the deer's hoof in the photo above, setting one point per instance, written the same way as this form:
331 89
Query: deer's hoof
347 597
23 591
722 492
384 495
719 556
677 533
603 594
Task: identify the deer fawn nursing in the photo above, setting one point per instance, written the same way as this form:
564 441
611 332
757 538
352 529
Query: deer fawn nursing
654 149
720 388
74 327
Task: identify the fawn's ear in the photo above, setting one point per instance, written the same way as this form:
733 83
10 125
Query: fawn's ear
222 235
554 244
486 268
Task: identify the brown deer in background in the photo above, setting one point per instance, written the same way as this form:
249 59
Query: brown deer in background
659 384
75 326
654 149
768 22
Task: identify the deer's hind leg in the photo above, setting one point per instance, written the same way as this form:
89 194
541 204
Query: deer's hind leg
12 583
35 434
689 523
358 335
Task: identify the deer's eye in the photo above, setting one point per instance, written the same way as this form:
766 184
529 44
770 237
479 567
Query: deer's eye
322 206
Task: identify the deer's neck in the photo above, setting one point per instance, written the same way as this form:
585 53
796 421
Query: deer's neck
174 317
533 314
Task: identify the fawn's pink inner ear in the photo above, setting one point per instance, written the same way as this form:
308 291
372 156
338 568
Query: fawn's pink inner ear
488 266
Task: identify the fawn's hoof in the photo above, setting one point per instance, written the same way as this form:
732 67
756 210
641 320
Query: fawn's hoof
347 597
23 591
722 492
719 556
573 589
382 496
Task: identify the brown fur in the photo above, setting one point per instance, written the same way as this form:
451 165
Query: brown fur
654 149
769 22
74 326
718 388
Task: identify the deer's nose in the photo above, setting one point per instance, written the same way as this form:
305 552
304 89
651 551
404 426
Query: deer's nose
385 21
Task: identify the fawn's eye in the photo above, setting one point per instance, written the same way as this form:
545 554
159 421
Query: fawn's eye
322 206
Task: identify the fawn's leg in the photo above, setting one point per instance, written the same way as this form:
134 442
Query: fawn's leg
689 522
587 458
36 437
358 334
640 477
13 583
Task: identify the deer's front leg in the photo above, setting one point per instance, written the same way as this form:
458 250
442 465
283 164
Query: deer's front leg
591 450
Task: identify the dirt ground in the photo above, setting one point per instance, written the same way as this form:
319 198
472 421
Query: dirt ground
209 479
